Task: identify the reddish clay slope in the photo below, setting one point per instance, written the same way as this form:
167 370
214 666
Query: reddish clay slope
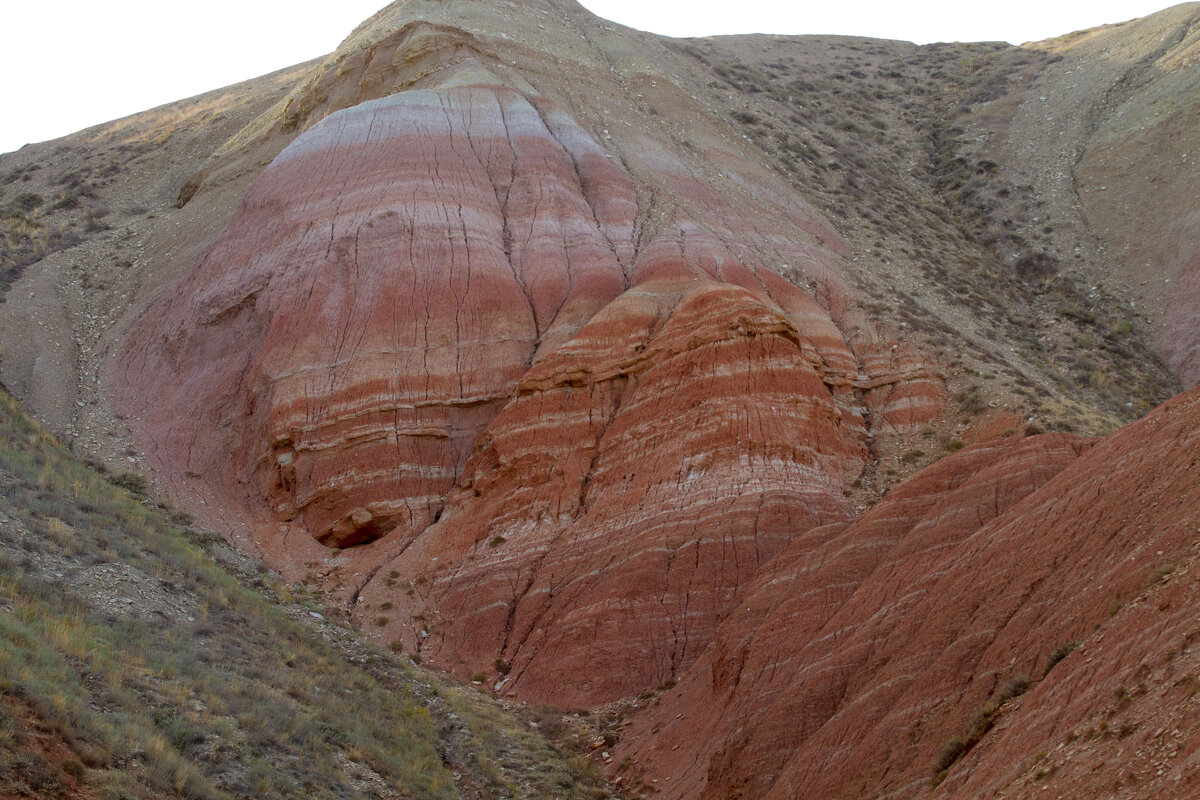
643 473
861 649
414 266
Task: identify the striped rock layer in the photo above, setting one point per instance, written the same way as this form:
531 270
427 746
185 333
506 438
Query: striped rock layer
445 335
862 651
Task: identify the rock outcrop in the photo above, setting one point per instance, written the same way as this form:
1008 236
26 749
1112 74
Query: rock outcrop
386 283
642 474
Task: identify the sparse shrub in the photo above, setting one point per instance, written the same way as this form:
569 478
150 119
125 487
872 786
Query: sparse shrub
22 204
1058 654
74 768
1015 687
93 222
1159 574
971 400
130 482
978 725
949 752
1039 265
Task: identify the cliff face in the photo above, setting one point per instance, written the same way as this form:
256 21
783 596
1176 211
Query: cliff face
581 362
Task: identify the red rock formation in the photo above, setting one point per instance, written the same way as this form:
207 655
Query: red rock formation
643 473
671 412
862 648
535 391
374 302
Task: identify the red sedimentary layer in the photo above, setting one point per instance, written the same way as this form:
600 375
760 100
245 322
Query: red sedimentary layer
643 473
438 327
861 649
371 307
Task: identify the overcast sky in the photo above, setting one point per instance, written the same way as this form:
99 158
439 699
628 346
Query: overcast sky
67 65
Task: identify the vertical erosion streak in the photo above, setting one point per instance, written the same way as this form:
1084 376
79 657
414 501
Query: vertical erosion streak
484 158
580 185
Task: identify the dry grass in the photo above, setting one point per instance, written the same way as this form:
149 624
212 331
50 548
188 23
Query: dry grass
238 701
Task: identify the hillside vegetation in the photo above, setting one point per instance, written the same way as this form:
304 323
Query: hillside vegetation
134 665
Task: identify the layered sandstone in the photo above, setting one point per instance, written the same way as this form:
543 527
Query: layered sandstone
642 474
385 284
541 392
524 346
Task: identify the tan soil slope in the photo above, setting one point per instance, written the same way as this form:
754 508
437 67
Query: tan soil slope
108 195
1105 138
1000 191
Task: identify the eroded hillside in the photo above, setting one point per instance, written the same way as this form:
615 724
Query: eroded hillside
544 347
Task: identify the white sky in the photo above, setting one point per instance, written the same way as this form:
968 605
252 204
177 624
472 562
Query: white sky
70 64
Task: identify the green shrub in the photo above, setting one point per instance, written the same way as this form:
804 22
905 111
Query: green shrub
130 482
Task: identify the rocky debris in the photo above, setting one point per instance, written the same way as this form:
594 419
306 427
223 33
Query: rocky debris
123 590
363 780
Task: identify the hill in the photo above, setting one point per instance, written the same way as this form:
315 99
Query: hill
542 347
